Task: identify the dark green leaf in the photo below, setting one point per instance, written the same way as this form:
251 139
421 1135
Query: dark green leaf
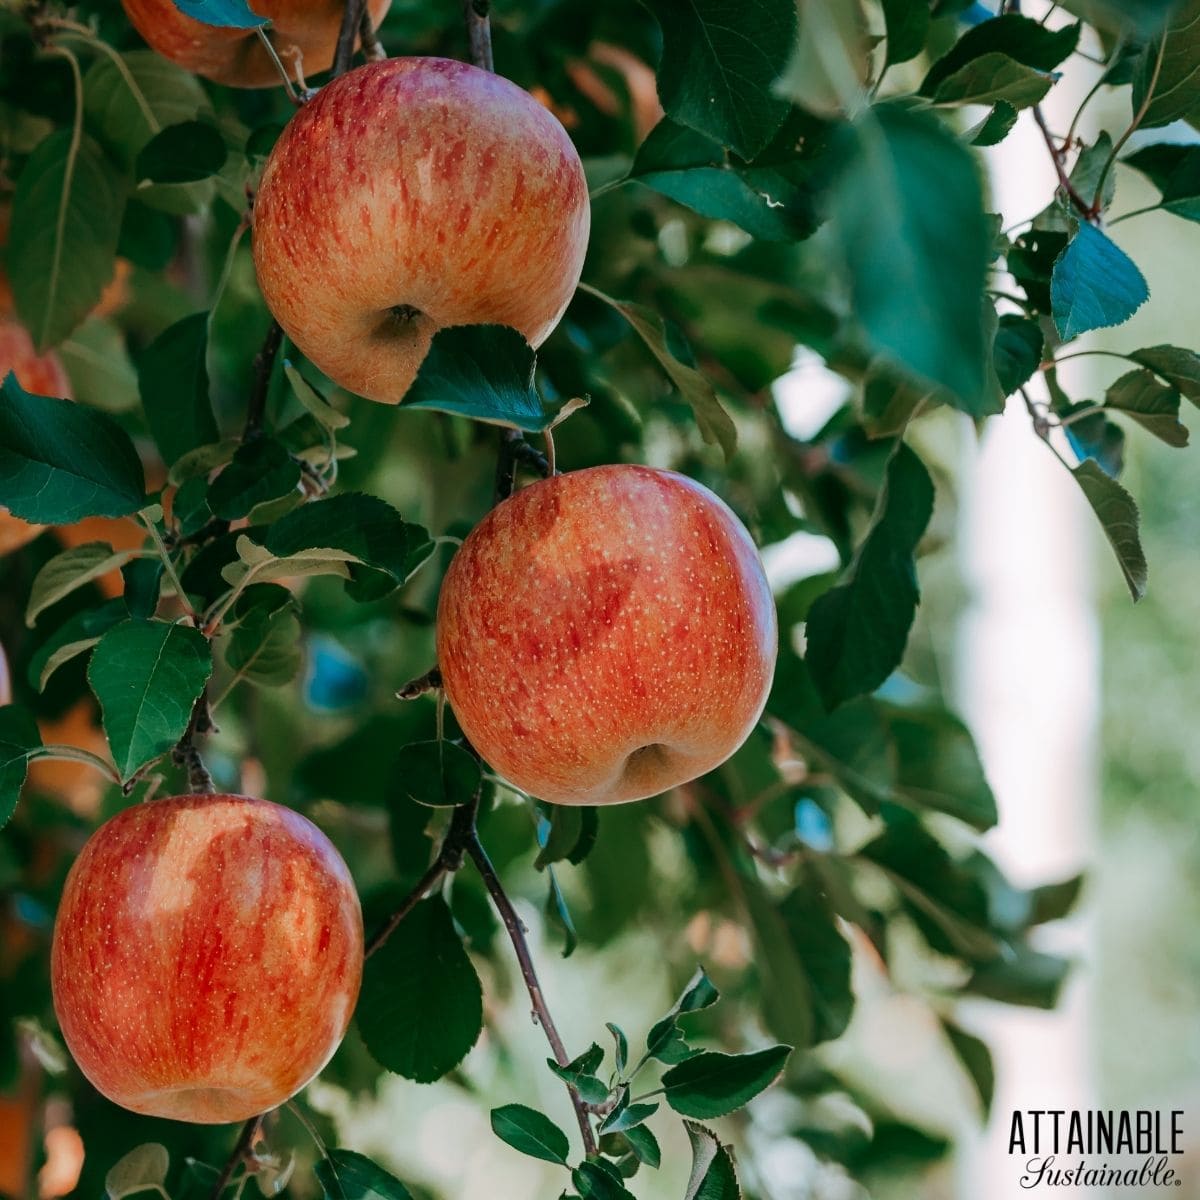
62 246
345 1175
559 914
565 833
857 631
1021 38
995 127
484 372
183 153
421 1006
173 383
1016 351
991 79
1118 517
589 1087
1179 367
593 1182
712 1176
233 14
262 470
1166 84
437 774
142 582
1026 977
909 216
75 637
907 25
621 1052
716 425
1053 901
19 736
61 462
265 644
712 1084
699 994
720 62
644 1145
1151 404
69 570
530 1132
976 1059
1095 284
98 364
317 406
147 676
1090 169
1175 170
621 1120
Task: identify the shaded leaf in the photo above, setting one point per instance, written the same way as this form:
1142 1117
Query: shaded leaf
1165 80
1016 351
593 1182
76 636
995 127
346 1175
143 1168
437 774
976 1059
993 78
19 736
1174 169
907 25
1020 38
1151 404
265 644
1118 516
712 1176
182 153
1179 367
173 384
1093 436
260 471
69 570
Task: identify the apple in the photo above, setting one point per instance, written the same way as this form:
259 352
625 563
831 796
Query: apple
303 32
606 635
42 374
207 956
412 194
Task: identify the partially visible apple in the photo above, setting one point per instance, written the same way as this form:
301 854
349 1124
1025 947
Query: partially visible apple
207 956
607 634
306 30
409 195
42 374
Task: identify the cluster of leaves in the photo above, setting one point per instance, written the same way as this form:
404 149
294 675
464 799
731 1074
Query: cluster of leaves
814 178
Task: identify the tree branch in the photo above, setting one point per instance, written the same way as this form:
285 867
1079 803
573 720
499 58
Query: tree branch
541 1012
241 1152
1057 154
476 13
264 365
347 36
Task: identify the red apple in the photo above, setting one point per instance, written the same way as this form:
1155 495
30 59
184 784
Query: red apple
606 635
409 195
42 374
207 956
307 28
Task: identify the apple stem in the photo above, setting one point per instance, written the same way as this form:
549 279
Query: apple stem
479 32
541 1011
186 753
347 35
241 1152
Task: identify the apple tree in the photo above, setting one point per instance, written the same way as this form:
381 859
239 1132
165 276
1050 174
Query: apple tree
293 301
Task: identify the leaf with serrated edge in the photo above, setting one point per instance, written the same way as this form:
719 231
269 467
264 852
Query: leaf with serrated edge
1118 515
70 570
530 1132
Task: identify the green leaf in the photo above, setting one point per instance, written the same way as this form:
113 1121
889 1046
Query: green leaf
1016 351
712 1084
976 1059
421 1007
358 528
485 372
345 1175
61 462
558 912
593 1182
590 1088
1020 38
720 62
699 994
232 14
261 470
1175 170
265 645
907 25
76 636
437 774
70 570
716 425
1025 977
314 403
530 1132
1091 167
173 384
143 1169
182 153
1095 284
565 833
993 78
147 676
621 1120
62 246
1169 90
995 127
857 630
644 1145
1053 901
909 217
713 1176
97 361
621 1051
141 579
768 202
1118 516
1179 367
1151 404
19 737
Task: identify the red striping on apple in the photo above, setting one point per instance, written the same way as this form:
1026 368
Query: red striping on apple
303 32
409 195
207 956
606 635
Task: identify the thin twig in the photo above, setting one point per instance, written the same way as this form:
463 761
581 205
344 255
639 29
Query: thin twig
431 681
264 364
268 46
479 32
347 36
516 935
1058 154
241 1152
187 754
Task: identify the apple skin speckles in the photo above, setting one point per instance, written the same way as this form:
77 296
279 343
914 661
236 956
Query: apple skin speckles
606 635
424 185
207 957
